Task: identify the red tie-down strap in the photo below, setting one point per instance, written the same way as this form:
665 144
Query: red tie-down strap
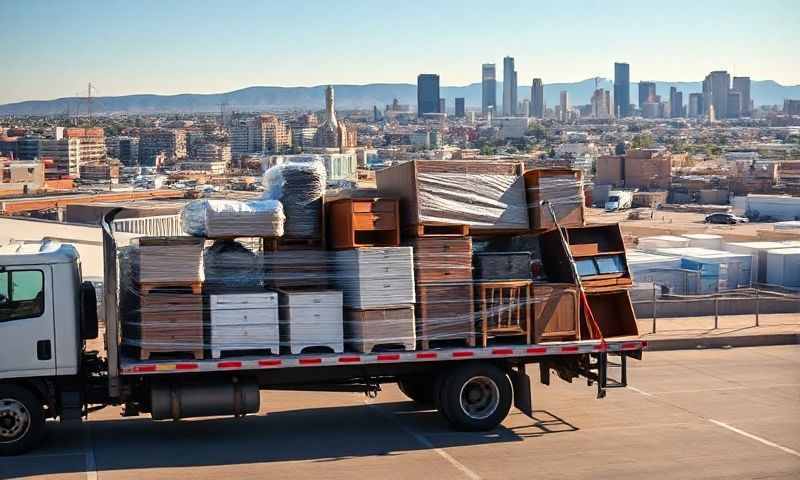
593 326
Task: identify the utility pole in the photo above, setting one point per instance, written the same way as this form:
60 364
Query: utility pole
89 103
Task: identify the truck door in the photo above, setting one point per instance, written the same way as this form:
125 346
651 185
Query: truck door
27 329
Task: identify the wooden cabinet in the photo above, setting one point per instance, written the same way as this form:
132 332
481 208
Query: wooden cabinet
247 321
442 259
563 188
380 329
445 312
556 314
359 222
497 266
311 319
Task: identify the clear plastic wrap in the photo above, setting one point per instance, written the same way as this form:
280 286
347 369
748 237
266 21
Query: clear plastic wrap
232 218
300 187
562 189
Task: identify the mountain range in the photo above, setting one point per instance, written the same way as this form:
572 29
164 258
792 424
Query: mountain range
763 92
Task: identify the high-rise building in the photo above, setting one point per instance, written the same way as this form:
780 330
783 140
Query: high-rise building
734 104
675 103
170 142
791 107
647 93
65 153
488 88
564 105
601 104
622 89
696 107
537 98
427 94
509 87
716 86
460 111
742 85
442 105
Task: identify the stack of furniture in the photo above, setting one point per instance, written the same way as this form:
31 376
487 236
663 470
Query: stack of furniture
363 222
445 306
167 278
243 322
311 320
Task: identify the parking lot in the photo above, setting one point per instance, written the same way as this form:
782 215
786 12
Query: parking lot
731 413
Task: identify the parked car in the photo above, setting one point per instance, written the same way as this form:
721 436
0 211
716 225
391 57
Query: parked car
725 218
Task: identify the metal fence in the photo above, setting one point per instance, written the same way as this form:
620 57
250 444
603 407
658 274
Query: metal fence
757 300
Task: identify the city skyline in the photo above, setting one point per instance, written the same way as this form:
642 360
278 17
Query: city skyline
124 51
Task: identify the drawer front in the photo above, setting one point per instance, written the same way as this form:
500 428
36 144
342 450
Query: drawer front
369 206
374 221
315 299
432 271
320 317
232 334
458 246
243 301
250 316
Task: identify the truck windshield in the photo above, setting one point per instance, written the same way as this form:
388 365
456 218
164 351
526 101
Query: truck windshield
613 198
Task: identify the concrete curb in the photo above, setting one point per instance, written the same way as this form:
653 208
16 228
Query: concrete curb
655 345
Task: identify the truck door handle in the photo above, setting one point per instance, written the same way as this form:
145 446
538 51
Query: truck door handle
43 350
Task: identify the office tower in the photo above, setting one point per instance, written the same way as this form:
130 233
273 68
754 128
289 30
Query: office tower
791 107
647 93
742 85
622 89
696 108
427 94
509 87
734 104
460 112
601 104
537 98
488 88
564 105
716 86
675 103
442 106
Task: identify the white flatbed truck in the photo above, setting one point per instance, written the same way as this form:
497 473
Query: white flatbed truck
47 314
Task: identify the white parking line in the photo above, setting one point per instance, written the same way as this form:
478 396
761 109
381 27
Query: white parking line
756 438
640 391
91 464
426 443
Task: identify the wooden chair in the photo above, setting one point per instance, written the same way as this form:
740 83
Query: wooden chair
505 308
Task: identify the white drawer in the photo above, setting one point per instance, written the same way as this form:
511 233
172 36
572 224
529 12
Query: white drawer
328 298
250 316
243 300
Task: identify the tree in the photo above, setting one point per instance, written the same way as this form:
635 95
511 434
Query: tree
644 140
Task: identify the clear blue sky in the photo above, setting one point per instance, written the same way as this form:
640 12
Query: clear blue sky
52 49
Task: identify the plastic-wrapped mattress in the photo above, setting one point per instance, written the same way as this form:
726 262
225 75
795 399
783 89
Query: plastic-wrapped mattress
232 218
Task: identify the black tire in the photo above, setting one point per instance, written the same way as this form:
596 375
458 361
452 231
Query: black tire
419 389
475 397
22 420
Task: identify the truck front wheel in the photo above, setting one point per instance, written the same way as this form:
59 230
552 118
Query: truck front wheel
475 397
21 420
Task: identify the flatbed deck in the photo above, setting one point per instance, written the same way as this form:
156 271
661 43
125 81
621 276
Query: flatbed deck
130 366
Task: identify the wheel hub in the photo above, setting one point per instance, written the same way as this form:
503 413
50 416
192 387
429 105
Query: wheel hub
15 420
480 397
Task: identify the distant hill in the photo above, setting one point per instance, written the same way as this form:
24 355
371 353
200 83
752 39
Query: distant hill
763 92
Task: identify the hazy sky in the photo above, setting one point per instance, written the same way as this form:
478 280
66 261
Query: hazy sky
52 49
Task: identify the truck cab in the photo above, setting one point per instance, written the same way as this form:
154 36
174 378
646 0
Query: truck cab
41 338
619 200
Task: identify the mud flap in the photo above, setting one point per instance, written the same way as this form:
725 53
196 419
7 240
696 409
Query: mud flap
523 395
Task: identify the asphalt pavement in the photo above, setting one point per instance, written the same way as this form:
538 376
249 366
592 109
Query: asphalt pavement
717 413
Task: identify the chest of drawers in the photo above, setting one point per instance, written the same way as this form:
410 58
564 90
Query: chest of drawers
311 319
246 321
375 277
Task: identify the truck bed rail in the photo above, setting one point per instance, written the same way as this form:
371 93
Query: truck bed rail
129 366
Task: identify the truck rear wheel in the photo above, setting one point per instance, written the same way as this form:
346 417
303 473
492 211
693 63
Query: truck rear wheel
21 420
475 397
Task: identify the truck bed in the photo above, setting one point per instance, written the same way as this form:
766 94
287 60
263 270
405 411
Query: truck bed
131 366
